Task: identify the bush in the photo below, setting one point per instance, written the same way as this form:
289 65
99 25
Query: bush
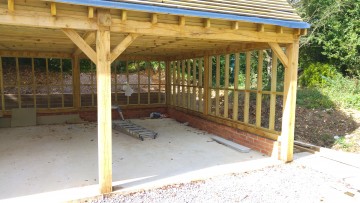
317 75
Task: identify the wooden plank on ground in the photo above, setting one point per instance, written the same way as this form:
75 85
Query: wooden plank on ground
232 145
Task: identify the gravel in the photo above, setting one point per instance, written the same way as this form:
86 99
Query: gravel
293 182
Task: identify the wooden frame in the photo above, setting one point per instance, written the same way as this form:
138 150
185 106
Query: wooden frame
151 38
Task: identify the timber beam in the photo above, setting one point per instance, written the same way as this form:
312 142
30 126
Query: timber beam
197 32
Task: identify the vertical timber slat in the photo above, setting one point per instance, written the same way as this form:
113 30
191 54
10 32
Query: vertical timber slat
178 95
193 102
159 71
62 84
208 75
92 84
273 92
259 88
2 87
217 95
247 88
18 81
33 80
149 81
226 91
47 83
183 102
188 78
236 86
138 74
173 68
200 85
76 81
104 103
168 83
206 85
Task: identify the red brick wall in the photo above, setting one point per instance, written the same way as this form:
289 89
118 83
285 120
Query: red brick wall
252 141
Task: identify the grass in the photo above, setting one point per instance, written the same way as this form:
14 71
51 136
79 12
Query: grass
341 92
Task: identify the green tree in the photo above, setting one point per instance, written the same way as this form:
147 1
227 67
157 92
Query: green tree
334 34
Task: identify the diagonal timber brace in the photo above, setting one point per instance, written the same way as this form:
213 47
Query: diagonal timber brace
89 38
280 54
120 48
81 43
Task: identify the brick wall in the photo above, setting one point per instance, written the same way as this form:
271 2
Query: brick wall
252 141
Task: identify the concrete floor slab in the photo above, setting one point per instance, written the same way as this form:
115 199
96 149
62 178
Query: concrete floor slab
50 161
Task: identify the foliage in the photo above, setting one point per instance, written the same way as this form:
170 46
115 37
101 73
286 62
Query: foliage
334 35
317 75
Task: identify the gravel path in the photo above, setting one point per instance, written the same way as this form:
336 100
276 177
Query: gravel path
295 182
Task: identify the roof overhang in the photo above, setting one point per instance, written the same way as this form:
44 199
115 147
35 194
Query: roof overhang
185 12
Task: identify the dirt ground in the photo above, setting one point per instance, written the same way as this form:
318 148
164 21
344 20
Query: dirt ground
333 128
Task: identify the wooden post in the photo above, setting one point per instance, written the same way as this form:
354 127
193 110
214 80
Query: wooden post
236 86
47 82
259 88
76 81
290 88
104 102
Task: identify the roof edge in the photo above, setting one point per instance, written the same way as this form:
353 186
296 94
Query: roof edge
186 12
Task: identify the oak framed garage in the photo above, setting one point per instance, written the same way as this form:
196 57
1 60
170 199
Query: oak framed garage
186 39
